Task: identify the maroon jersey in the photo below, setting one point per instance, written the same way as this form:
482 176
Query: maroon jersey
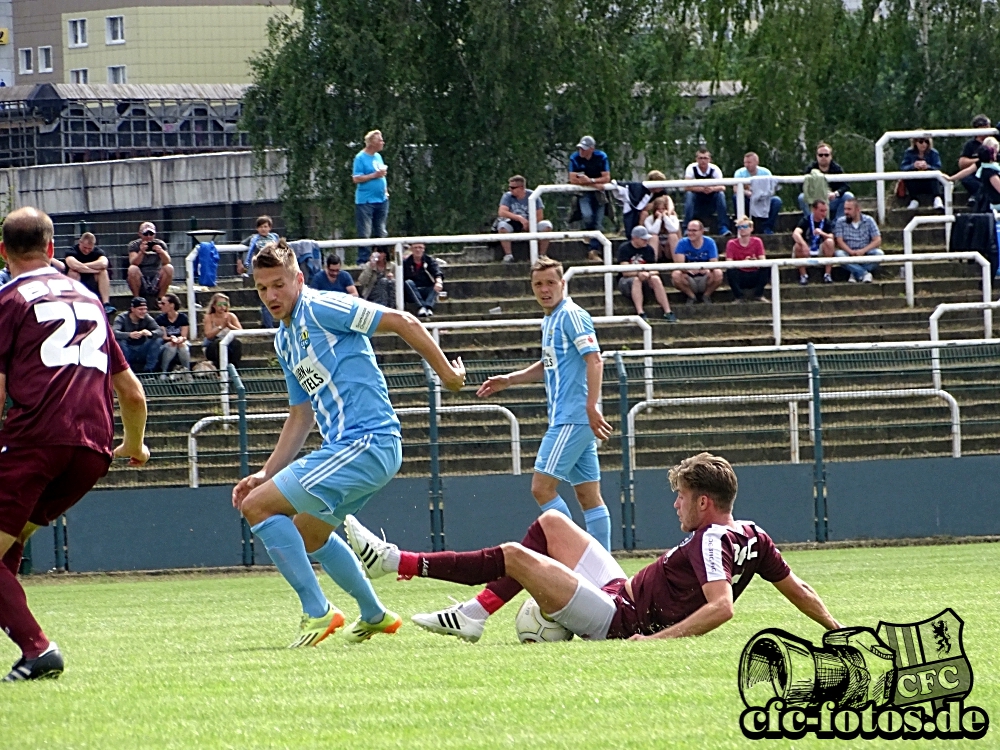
668 590
58 354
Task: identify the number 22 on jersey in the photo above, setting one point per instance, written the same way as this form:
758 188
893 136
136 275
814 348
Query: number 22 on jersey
57 350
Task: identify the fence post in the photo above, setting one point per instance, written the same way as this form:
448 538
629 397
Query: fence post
819 469
25 568
241 401
435 492
627 477
59 538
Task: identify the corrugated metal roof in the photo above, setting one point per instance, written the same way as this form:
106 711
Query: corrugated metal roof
114 92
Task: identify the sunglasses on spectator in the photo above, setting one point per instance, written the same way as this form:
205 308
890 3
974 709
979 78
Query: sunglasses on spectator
147 233
742 226
823 156
921 140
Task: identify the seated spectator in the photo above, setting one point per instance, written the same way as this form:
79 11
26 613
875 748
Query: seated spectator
218 321
88 264
334 278
920 157
696 248
660 220
422 279
760 201
705 201
814 237
637 251
835 198
857 235
590 167
512 216
256 242
746 247
636 198
375 283
149 269
139 337
987 173
970 158
175 326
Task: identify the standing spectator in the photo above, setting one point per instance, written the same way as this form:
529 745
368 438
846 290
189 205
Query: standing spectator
987 172
696 248
814 237
512 216
175 326
375 283
371 196
746 247
921 156
149 269
638 252
664 227
334 278
708 200
256 242
824 163
759 194
589 166
139 337
857 234
218 321
970 157
423 279
88 264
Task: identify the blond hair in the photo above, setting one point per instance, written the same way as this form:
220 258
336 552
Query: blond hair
709 475
217 298
746 219
88 237
276 255
370 136
544 264
655 175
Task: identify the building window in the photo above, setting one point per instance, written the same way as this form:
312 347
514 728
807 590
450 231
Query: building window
78 32
44 59
116 74
114 30
25 62
80 75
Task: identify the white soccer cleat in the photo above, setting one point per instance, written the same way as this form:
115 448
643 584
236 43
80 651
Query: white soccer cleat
371 550
451 621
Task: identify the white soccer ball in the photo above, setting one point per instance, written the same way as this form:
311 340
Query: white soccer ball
535 627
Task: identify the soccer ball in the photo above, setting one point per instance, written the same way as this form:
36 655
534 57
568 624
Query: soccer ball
534 627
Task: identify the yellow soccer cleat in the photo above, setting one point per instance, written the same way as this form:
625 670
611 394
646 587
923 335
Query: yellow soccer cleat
313 630
359 630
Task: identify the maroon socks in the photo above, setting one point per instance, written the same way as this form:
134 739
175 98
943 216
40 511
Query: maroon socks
16 619
470 568
498 593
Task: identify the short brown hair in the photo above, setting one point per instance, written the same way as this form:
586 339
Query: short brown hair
27 231
88 237
751 153
703 150
518 179
544 264
706 474
276 255
824 144
265 219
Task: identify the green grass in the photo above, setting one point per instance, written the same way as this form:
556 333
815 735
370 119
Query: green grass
200 662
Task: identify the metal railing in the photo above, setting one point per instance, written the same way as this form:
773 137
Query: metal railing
915 222
934 334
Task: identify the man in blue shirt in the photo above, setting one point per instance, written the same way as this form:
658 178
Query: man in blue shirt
590 167
334 279
371 196
294 505
759 199
696 248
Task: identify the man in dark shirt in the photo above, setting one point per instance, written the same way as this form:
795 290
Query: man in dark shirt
638 252
334 278
140 338
970 156
88 264
824 163
688 590
589 166
149 268
423 279
814 237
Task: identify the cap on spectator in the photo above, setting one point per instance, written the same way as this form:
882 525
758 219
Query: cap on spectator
147 226
138 302
587 142
640 233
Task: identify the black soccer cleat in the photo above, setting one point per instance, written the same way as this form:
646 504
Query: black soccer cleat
47 666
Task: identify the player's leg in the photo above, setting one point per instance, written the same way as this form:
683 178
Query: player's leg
14 554
545 482
585 476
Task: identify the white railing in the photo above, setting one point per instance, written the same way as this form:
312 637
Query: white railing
933 324
189 260
776 264
201 424
894 135
915 222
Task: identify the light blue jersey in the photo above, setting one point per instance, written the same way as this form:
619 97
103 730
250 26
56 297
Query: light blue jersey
327 358
567 336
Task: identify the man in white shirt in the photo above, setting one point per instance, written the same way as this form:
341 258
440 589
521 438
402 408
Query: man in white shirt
759 197
706 200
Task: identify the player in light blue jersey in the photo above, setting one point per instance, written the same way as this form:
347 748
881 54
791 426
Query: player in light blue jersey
572 369
333 380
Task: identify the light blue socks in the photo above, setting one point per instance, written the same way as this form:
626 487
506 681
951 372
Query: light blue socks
343 567
598 522
288 552
556 503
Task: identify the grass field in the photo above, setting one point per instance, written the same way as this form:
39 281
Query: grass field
200 662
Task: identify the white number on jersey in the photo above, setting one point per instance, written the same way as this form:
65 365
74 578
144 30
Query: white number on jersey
57 351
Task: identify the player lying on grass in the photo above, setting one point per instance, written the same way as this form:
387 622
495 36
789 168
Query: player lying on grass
295 505
59 363
689 590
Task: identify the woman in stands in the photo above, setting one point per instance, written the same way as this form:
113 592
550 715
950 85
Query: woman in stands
660 219
746 247
922 156
218 321
375 283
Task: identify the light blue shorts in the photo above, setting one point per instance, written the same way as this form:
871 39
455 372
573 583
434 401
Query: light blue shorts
569 452
339 479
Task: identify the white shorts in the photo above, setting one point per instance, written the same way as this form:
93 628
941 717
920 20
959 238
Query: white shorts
590 610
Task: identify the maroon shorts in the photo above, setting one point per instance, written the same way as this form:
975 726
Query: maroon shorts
625 623
40 484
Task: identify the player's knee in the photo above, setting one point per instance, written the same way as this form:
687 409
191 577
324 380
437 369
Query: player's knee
515 556
254 509
552 519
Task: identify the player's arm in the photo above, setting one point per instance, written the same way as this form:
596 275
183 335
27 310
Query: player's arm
132 405
718 609
806 600
293 436
409 329
595 377
531 374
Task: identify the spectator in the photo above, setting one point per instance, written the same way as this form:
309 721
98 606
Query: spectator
663 226
814 237
256 242
919 157
512 216
138 335
637 251
857 234
376 280
422 279
589 166
88 264
708 200
970 158
746 247
218 321
334 278
4 275
696 248
636 199
824 163
149 270
175 326
759 195
987 173
371 196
